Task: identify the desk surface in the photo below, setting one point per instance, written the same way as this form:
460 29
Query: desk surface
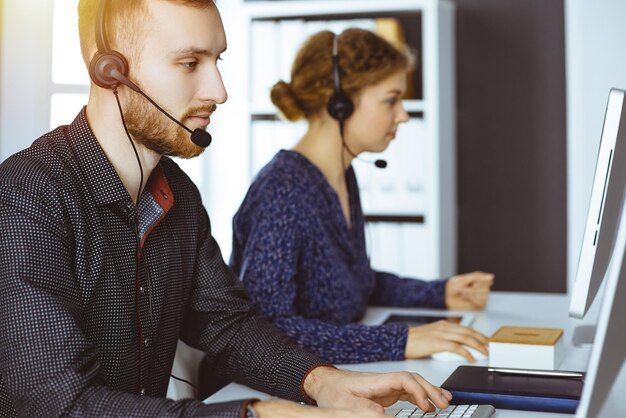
504 308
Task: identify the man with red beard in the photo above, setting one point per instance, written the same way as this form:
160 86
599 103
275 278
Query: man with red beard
107 258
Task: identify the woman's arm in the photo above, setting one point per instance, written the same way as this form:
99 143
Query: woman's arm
391 290
266 251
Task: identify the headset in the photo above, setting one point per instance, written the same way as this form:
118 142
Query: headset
340 106
108 69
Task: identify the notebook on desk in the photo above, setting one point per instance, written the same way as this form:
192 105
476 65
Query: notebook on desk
476 384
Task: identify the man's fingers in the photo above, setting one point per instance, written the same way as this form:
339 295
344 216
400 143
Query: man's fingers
421 393
366 404
434 393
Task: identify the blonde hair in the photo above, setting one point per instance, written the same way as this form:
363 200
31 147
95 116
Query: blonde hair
124 22
364 57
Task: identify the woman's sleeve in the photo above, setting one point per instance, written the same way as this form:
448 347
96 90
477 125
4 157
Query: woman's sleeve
346 343
267 263
391 290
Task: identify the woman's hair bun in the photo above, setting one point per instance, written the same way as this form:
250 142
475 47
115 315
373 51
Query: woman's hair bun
284 99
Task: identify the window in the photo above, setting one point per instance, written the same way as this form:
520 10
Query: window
70 80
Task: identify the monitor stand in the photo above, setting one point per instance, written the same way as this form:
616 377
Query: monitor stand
583 336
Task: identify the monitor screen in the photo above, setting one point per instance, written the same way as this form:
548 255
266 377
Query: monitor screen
605 205
609 348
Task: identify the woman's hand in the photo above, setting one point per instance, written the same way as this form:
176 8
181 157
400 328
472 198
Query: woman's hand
443 335
469 290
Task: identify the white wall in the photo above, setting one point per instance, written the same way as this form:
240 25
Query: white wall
26 71
227 167
595 61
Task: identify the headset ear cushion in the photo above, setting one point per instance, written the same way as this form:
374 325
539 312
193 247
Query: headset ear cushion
340 106
101 68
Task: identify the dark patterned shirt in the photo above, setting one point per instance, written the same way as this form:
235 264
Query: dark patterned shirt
309 273
89 323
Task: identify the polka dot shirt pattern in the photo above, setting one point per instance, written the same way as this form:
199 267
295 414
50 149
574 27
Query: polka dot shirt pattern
89 326
310 274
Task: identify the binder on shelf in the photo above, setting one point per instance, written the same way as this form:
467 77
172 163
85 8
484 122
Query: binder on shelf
367 24
416 253
263 59
263 146
291 35
269 137
391 29
287 134
478 385
311 27
384 244
412 143
338 26
400 188
388 178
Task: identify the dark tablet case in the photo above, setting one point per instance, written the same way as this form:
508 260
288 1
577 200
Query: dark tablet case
477 385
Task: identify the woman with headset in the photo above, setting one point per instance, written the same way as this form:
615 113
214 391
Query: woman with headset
298 237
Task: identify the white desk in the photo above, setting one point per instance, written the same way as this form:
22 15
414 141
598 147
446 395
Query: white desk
505 308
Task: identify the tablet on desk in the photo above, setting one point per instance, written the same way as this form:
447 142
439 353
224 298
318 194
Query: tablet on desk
476 384
427 318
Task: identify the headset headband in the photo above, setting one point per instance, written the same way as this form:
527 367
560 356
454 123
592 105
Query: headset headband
101 32
336 67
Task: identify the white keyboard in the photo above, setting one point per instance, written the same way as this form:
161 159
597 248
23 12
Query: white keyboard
453 411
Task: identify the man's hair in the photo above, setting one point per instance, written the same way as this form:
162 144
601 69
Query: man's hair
125 21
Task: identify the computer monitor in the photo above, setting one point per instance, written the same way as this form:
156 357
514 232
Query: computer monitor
609 349
607 196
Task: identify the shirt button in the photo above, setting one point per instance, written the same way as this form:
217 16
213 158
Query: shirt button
142 392
146 342
142 289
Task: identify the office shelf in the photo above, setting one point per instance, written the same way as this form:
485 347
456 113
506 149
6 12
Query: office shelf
419 182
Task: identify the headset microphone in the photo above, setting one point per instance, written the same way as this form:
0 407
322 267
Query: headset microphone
200 137
108 69
340 106
377 163
380 163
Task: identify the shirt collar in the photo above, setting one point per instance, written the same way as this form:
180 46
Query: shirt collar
104 182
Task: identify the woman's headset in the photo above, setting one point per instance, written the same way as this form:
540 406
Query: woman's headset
340 106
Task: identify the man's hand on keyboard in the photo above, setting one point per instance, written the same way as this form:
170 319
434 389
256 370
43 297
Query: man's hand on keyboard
344 389
278 408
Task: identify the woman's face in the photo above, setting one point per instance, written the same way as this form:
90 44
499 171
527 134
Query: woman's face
378 112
